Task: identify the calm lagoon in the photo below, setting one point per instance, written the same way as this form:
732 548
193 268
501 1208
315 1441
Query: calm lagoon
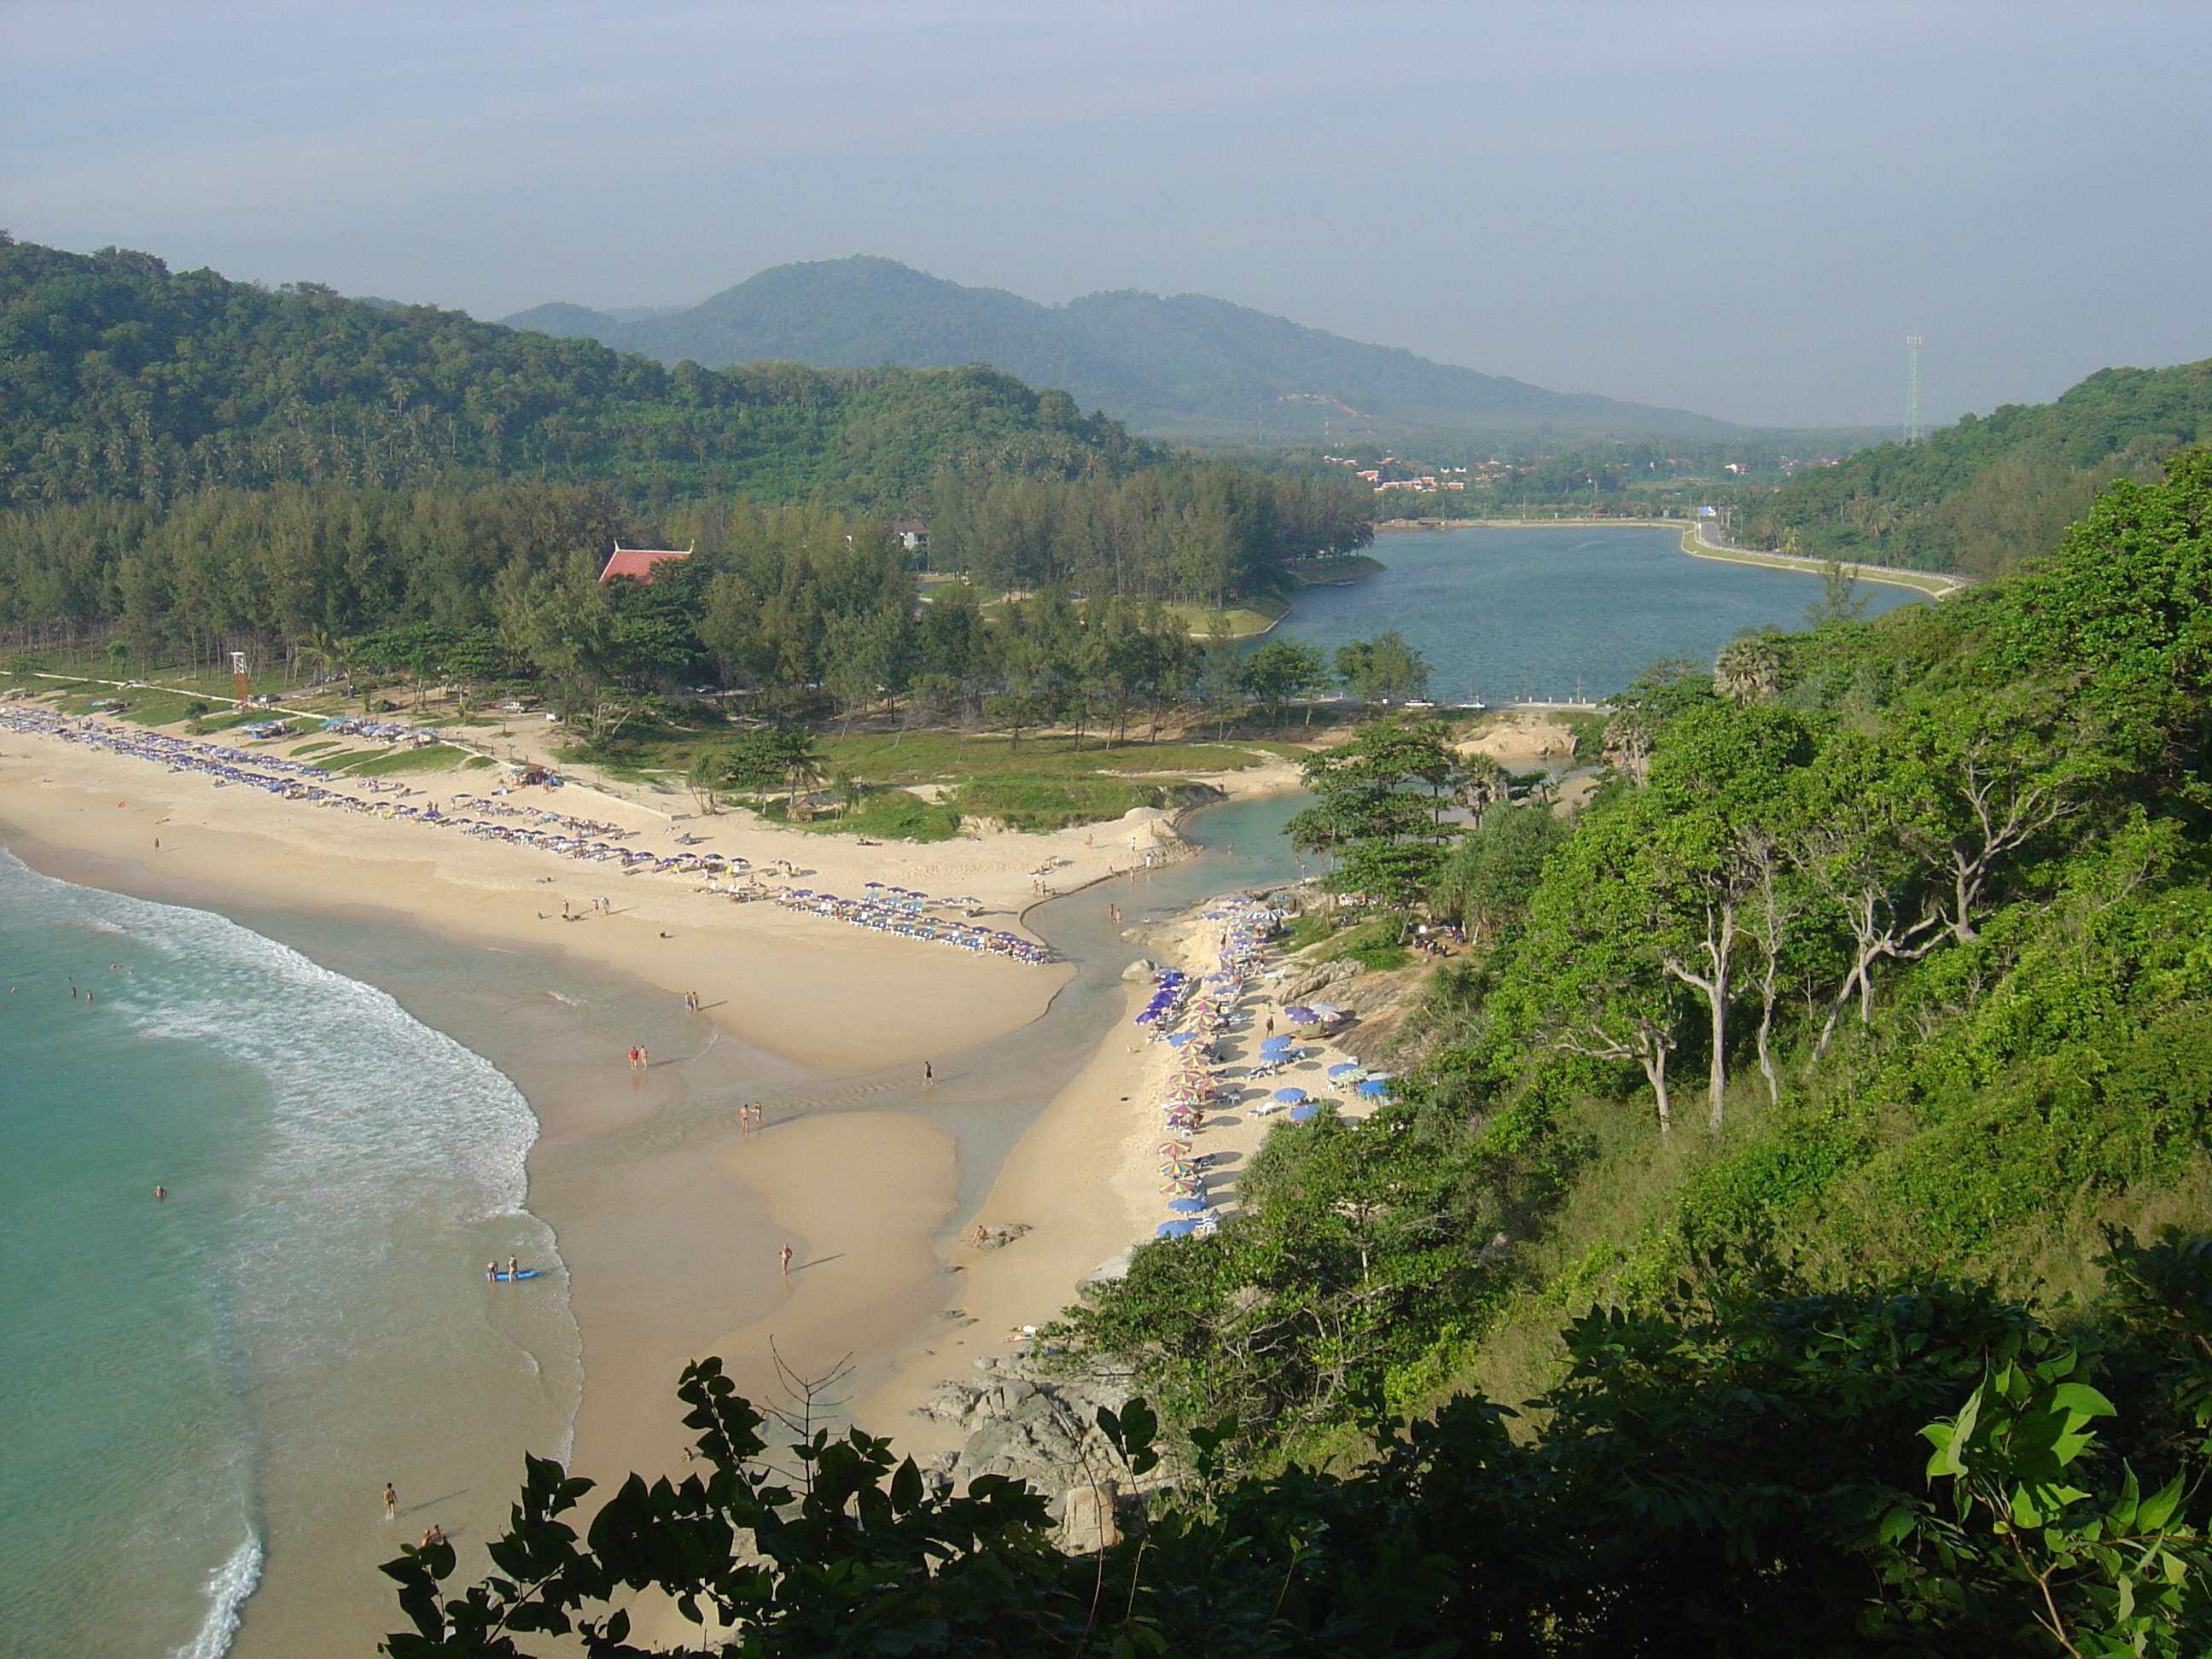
1508 615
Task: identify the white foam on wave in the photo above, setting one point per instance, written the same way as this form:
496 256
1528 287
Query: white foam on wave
363 1091
228 1587
381 1139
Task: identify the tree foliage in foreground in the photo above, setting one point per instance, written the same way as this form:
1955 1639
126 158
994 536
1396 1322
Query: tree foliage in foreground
1753 1467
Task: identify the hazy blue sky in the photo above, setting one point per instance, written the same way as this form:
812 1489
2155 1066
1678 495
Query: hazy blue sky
1741 210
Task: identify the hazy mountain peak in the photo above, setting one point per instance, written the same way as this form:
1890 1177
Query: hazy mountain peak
1190 365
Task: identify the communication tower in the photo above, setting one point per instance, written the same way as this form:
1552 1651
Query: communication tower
1913 432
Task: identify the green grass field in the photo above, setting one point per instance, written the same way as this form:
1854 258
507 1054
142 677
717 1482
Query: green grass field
885 815
950 757
389 763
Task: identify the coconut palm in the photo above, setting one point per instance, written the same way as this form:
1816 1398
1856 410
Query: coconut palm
1747 669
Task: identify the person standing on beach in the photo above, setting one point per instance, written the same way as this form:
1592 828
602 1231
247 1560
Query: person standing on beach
391 1502
512 1268
928 1074
783 1260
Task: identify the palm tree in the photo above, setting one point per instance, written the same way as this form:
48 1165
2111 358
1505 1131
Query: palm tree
1745 670
1482 783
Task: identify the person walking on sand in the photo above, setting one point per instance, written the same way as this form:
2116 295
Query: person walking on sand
928 1074
633 1056
391 1502
783 1260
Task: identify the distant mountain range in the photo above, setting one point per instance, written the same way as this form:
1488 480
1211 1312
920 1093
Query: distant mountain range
1187 367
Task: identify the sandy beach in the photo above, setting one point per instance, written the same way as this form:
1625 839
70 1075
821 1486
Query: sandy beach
667 1215
1106 1124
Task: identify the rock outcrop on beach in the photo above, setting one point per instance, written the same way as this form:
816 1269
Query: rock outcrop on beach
1043 1429
1329 973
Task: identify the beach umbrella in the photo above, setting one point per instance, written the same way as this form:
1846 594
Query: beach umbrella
1174 1148
1328 1011
1274 1045
1373 1086
1290 1097
1344 1068
1188 1205
1303 1016
1300 1113
1176 1229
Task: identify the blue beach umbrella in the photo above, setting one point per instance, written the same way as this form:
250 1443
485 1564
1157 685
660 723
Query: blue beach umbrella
1274 1045
1290 1097
1373 1086
1188 1205
1300 1113
1344 1068
1175 1229
1303 1016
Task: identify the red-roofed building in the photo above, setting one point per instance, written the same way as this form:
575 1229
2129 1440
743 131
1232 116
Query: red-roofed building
637 563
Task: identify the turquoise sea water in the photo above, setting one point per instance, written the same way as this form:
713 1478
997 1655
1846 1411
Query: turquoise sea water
1506 615
191 1389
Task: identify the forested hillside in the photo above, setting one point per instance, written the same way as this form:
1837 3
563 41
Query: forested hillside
197 458
1978 496
123 378
1883 954
1186 366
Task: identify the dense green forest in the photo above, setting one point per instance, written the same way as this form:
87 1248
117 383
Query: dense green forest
194 461
500 583
1979 496
124 379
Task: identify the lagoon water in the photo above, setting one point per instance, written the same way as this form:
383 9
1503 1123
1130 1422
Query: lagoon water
1513 614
